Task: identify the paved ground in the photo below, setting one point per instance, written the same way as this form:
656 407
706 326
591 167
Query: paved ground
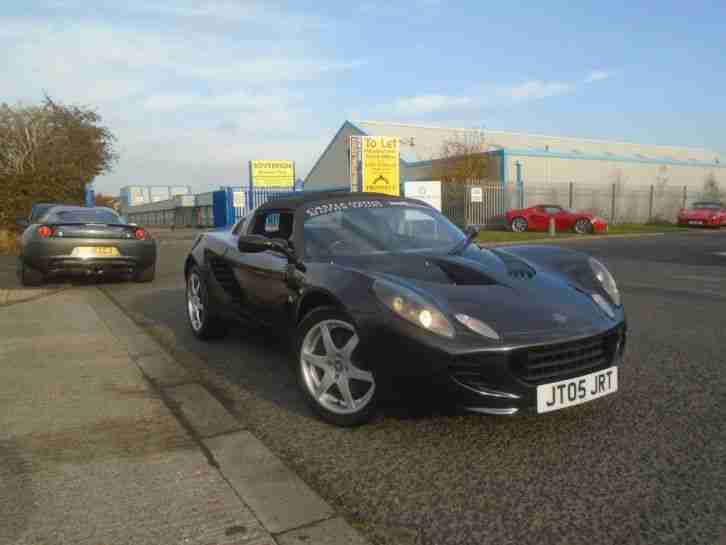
645 466
105 439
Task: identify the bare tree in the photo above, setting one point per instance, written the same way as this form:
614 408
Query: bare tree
711 187
463 160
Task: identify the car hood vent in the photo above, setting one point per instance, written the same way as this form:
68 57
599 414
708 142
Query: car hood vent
516 268
465 276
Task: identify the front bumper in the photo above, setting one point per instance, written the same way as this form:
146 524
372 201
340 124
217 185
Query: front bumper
501 380
53 257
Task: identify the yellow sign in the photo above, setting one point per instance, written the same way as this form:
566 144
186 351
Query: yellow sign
381 165
272 173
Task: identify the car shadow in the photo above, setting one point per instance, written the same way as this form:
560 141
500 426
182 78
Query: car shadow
255 360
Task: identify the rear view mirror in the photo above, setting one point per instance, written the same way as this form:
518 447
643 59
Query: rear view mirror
22 222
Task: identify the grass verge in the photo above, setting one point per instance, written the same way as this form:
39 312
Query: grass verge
620 229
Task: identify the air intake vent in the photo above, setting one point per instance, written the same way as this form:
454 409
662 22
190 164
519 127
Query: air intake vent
516 268
465 276
224 276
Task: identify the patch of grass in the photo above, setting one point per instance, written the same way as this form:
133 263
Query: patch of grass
620 229
8 242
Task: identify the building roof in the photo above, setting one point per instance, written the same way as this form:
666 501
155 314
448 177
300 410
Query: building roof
423 142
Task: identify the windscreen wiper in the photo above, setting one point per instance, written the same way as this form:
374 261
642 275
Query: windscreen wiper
471 233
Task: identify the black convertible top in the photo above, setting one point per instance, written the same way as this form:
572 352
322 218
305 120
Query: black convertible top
295 201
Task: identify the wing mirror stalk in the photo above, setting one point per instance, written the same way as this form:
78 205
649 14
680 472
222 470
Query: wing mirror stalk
251 244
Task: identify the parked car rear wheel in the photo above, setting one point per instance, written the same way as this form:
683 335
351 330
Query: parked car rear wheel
583 226
519 225
336 385
28 276
201 314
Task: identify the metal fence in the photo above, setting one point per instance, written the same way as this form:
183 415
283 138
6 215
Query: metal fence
616 202
482 204
486 203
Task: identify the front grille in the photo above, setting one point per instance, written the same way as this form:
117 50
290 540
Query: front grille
554 362
224 275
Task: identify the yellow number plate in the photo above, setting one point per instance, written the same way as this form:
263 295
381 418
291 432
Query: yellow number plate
95 251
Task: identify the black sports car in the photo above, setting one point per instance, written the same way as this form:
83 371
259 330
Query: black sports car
87 241
371 286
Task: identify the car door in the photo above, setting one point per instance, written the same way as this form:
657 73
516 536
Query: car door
263 276
564 220
538 219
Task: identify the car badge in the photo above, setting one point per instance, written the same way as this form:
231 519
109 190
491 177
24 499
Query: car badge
559 318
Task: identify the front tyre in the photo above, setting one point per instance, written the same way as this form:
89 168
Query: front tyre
519 225
583 227
338 387
28 276
204 322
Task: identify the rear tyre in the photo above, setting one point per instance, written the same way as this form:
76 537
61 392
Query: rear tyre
204 321
28 276
519 225
335 383
583 227
146 275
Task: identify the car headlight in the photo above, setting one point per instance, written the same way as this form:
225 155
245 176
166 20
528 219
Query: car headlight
412 307
606 280
477 326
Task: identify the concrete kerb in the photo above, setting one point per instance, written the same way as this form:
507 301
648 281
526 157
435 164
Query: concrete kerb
15 296
283 503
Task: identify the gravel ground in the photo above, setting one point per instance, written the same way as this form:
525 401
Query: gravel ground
644 466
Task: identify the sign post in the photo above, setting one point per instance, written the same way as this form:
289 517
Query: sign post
380 162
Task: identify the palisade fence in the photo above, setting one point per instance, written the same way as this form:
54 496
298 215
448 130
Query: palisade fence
615 202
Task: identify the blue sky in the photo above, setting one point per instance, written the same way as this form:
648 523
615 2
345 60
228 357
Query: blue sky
195 89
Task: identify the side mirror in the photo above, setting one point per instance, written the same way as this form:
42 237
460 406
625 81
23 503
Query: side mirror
471 231
22 222
251 244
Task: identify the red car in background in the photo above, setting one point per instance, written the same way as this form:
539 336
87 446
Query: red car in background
537 218
706 214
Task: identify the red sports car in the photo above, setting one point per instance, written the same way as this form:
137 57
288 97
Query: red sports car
537 218
706 214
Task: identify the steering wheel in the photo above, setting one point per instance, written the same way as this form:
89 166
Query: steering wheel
339 246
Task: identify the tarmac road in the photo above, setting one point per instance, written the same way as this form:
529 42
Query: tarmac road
644 466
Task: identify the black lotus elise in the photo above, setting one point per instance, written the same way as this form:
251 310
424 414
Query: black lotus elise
371 286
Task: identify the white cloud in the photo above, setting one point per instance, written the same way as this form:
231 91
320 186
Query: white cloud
535 89
423 104
597 75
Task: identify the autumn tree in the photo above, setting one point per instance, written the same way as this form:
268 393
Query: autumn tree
105 200
49 152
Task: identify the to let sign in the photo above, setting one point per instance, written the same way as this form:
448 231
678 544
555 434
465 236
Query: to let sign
380 163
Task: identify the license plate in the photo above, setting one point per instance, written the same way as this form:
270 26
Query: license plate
574 391
95 251
695 222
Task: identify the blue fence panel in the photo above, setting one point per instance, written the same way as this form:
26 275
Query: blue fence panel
220 208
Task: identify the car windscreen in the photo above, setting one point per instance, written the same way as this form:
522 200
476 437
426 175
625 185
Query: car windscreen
83 216
707 206
356 228
39 210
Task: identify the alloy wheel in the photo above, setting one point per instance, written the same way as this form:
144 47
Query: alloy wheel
329 371
519 225
195 306
582 226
